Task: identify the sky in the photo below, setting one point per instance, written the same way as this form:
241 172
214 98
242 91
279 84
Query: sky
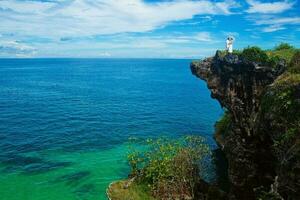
142 28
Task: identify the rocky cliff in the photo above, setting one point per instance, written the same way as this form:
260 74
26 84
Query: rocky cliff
248 91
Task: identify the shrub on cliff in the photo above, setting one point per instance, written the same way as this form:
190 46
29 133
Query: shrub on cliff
169 167
283 46
255 54
283 51
267 58
222 126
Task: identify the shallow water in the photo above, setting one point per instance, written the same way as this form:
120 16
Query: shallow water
64 123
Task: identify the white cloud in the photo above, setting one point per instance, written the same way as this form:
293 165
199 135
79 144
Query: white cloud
269 23
9 47
177 40
94 17
16 45
273 28
278 20
204 37
190 38
121 45
270 7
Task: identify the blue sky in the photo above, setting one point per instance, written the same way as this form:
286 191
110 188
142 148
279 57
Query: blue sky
142 28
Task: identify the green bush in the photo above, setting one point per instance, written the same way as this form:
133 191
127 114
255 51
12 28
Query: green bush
294 65
274 60
169 167
281 98
255 54
283 46
285 54
223 125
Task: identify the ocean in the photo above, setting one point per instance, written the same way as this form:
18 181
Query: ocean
65 123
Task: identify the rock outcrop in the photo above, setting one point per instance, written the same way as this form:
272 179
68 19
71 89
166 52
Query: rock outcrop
239 85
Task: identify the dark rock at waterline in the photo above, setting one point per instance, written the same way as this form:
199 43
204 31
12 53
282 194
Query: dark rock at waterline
221 163
203 190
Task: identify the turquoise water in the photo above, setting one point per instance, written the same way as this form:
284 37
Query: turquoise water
64 123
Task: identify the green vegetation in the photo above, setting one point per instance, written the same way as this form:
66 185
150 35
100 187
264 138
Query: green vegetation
169 168
281 99
223 53
223 124
271 58
255 54
281 107
287 79
119 191
294 66
283 46
222 127
285 54
282 51
266 58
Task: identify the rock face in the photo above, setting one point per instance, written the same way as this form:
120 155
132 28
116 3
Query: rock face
238 85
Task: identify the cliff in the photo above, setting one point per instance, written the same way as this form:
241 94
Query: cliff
259 133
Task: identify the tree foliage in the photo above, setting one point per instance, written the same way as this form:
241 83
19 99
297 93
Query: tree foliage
169 167
283 46
255 54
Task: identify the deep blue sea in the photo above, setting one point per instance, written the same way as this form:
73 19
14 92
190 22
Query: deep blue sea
64 122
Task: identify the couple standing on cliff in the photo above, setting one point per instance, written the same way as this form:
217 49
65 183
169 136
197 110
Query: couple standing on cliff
229 44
